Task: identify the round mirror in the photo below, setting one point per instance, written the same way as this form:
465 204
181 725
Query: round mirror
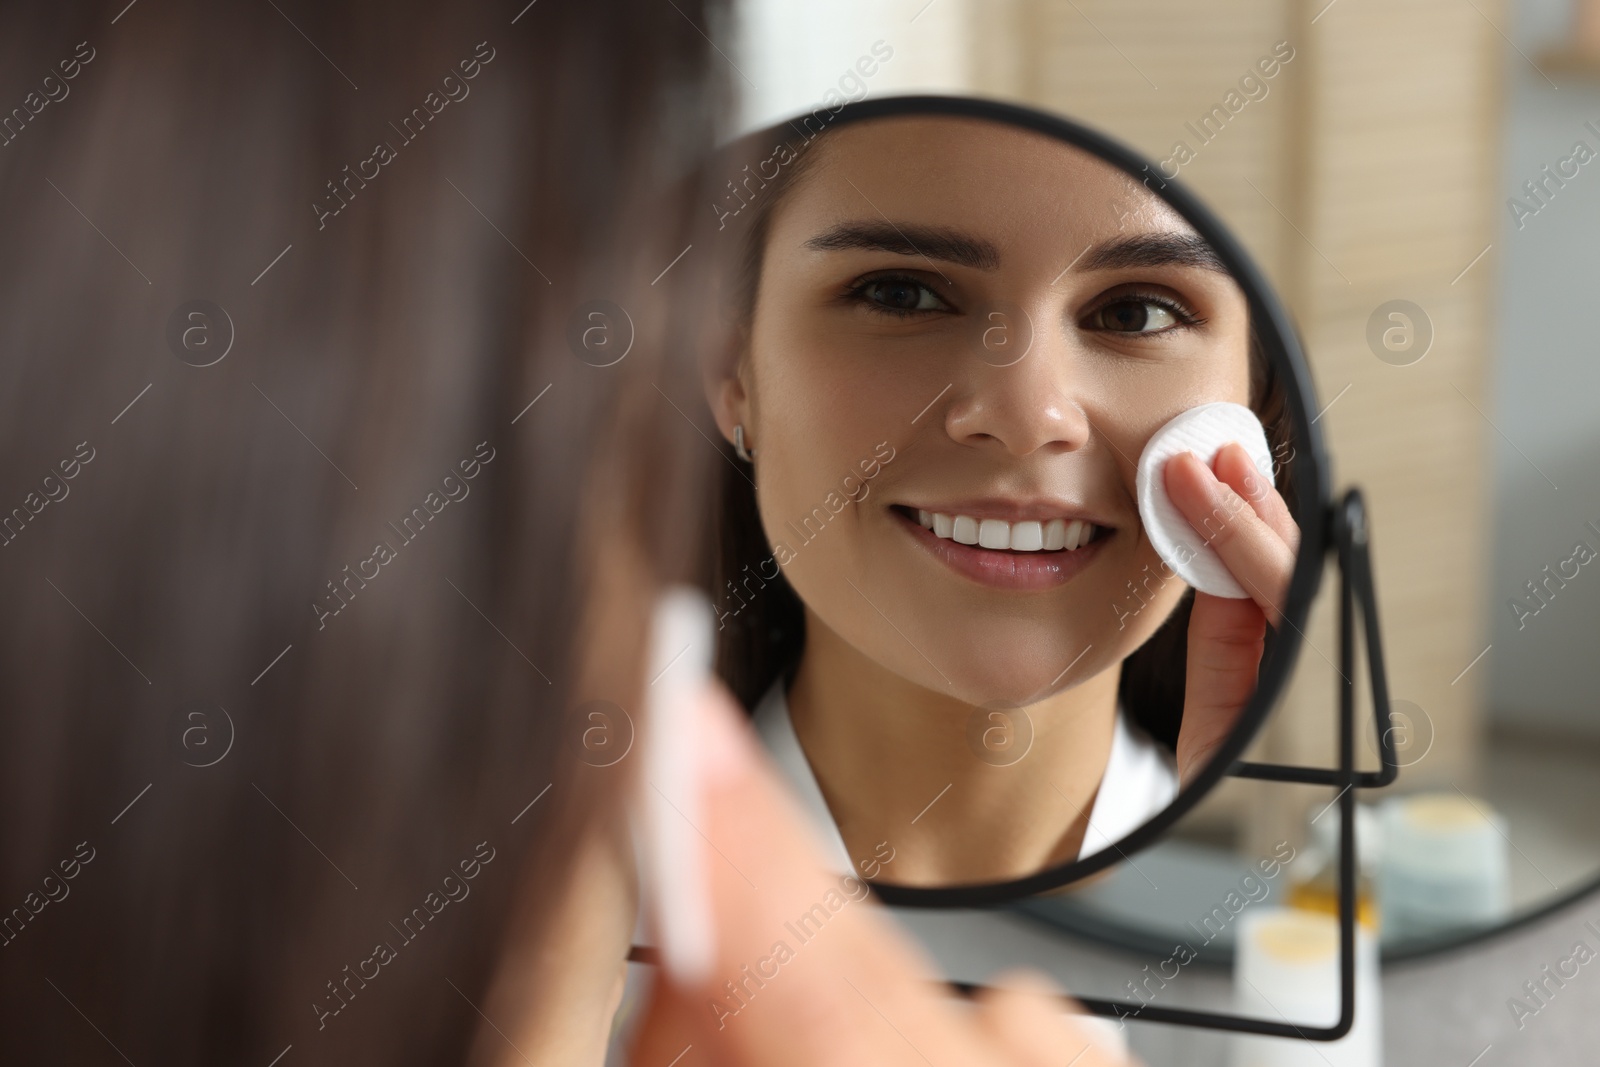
1024 505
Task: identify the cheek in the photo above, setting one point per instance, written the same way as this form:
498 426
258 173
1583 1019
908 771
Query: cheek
1223 371
811 439
847 377
1140 593
1130 404
815 433
823 403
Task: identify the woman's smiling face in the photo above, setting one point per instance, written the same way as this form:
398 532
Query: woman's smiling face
1014 319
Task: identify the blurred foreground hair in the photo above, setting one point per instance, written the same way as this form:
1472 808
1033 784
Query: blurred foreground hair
324 505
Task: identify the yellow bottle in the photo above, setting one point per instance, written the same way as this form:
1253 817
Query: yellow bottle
1314 876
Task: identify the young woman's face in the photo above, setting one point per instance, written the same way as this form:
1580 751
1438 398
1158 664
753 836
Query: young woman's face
969 325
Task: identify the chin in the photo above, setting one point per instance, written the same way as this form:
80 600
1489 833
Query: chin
1004 674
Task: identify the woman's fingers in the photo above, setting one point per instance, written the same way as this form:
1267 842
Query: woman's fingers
669 1033
1021 1012
1233 466
806 971
1256 538
1240 514
1226 639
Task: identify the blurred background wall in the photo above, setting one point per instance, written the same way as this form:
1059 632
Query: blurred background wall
1545 384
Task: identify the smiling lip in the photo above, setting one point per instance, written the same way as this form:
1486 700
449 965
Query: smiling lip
1003 569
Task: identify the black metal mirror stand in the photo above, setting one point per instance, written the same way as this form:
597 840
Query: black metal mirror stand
1349 537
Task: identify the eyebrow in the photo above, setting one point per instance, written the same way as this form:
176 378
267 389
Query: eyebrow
910 239
1152 250
953 246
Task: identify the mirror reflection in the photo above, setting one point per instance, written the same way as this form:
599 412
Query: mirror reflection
973 637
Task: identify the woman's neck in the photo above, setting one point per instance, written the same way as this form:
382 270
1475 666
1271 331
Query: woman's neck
905 765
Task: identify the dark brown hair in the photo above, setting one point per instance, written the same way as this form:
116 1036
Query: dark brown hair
239 744
762 630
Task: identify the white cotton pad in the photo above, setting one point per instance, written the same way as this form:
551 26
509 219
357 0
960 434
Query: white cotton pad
1202 430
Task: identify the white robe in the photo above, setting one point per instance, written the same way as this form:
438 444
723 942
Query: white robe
1140 780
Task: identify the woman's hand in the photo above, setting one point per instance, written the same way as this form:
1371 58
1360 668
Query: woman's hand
855 991
1244 519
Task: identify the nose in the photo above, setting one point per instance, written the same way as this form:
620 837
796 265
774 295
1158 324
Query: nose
1022 406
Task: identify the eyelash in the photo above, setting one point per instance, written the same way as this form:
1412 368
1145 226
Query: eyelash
858 294
1186 318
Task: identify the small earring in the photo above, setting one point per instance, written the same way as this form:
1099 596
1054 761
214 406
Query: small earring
746 454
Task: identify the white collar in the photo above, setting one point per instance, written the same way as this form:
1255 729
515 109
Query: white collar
1140 780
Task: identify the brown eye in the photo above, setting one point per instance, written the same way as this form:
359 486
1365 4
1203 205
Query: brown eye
899 295
1134 316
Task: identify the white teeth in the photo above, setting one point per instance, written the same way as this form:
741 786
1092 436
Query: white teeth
1028 536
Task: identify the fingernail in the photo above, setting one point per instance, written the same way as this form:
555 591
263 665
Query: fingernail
681 645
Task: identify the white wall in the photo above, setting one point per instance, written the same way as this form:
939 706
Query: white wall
791 53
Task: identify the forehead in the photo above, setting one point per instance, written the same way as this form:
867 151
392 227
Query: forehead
1021 189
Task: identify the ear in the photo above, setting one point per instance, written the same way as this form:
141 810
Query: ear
722 377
